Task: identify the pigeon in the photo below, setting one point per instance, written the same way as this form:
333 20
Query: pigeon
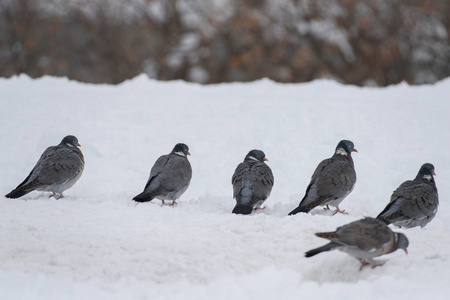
169 178
58 169
252 182
414 202
332 181
364 240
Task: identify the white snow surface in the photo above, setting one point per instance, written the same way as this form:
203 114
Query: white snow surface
97 244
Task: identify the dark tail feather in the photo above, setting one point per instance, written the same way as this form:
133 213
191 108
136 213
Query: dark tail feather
143 197
380 217
315 251
299 210
17 193
242 209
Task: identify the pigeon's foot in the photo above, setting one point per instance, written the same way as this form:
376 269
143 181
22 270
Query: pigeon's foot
372 264
326 207
56 196
340 211
258 208
363 264
173 203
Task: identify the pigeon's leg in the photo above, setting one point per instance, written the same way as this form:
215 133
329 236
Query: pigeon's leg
259 208
363 264
326 207
340 211
174 202
163 202
57 196
377 264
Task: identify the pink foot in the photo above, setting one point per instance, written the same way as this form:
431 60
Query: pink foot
373 265
173 203
56 196
340 211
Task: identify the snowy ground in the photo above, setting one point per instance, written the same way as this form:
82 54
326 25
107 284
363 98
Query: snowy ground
96 244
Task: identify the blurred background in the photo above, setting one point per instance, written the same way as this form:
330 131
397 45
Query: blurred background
360 42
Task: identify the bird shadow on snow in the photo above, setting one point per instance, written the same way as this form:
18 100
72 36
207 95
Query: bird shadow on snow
340 268
283 209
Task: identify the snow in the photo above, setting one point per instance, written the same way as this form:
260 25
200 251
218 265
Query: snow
96 244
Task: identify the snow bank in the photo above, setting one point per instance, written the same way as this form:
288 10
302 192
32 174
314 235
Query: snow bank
96 243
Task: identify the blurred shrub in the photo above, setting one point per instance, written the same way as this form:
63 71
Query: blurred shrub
362 42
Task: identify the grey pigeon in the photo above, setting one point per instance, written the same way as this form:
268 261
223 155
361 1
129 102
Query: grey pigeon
332 181
169 178
58 169
364 240
252 182
414 202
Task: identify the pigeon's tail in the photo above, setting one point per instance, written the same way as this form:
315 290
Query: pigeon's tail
315 251
143 197
18 192
242 209
299 209
381 218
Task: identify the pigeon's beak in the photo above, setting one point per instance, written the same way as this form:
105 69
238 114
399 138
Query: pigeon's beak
406 251
188 153
265 159
79 145
355 150
434 173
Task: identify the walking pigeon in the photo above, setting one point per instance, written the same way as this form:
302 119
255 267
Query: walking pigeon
169 178
414 202
364 240
332 181
252 182
58 169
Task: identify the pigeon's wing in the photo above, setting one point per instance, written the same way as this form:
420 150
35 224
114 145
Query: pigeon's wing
321 167
337 180
262 178
332 179
176 174
30 179
157 168
56 165
238 179
412 201
59 166
367 234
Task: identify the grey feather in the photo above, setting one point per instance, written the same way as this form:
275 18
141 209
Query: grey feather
252 183
57 170
363 239
332 181
414 202
169 178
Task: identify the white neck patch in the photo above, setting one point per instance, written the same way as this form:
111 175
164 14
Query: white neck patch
427 177
180 153
254 158
70 145
341 151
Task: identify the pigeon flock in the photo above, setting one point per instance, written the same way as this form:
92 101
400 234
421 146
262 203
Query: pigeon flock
413 203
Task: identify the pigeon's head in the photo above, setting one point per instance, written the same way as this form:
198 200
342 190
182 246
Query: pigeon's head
256 155
401 241
181 150
345 147
426 171
70 141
